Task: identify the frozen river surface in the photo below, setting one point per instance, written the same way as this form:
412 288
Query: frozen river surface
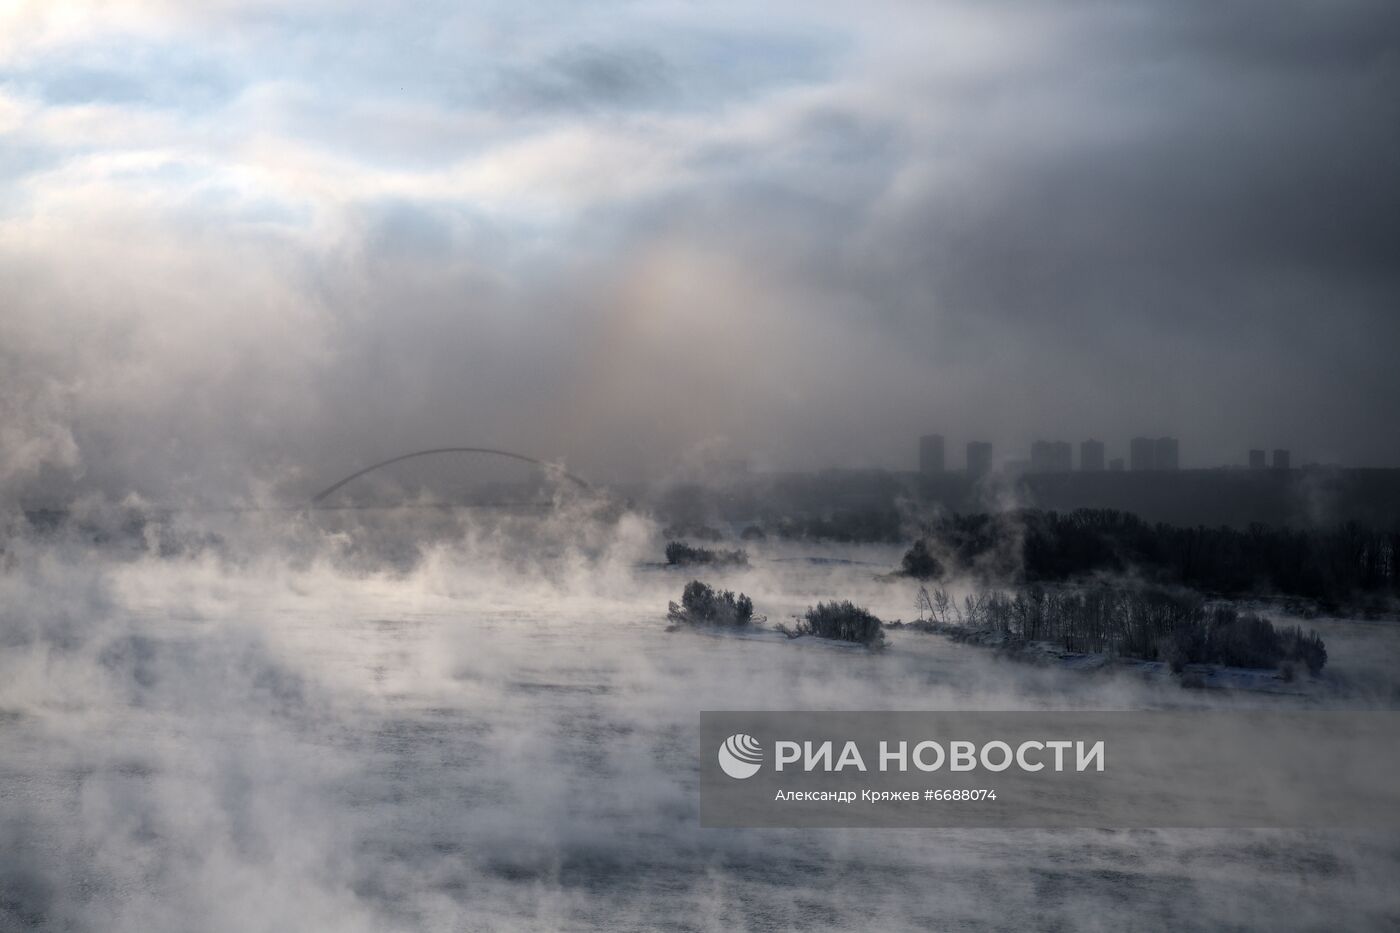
476 744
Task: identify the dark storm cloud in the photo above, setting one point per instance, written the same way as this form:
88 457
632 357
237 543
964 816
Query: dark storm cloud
1195 241
807 236
1237 245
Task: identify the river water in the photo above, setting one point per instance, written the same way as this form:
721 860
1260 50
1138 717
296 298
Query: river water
293 739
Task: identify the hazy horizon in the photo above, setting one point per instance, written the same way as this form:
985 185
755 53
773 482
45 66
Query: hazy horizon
254 246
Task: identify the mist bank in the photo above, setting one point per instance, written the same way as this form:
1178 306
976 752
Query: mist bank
839 504
426 720
1331 567
868 505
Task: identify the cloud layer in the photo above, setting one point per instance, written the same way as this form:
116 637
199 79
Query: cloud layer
249 247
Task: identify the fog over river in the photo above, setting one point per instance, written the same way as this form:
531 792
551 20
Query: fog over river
320 723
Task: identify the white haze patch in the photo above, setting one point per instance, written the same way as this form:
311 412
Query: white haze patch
424 721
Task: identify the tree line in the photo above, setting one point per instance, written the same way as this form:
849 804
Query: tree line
1177 627
1333 565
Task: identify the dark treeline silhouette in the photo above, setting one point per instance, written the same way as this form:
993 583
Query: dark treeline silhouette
703 605
848 526
843 621
845 525
875 505
830 506
1333 566
920 563
679 554
1148 624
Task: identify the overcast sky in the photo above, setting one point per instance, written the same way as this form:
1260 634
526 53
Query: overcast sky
252 247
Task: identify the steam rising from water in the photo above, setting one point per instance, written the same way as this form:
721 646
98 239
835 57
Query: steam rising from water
323 723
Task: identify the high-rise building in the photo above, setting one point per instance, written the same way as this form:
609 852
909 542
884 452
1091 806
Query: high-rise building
1256 460
979 458
1142 454
1281 459
1091 456
1166 454
931 454
1115 465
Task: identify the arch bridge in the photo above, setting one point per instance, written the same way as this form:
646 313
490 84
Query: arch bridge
552 468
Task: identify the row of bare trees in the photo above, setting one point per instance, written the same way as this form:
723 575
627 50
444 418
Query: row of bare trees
1150 624
1333 565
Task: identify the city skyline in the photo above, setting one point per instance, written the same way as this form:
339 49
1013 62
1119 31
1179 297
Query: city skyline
1047 456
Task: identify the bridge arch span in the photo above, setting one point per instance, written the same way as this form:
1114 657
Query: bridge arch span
490 451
